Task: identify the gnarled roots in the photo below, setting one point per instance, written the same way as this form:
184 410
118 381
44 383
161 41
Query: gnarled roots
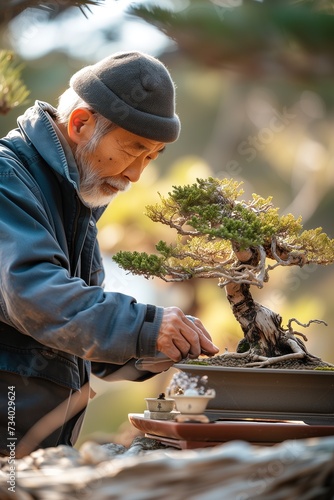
288 338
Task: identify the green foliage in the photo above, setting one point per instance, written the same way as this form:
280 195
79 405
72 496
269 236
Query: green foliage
213 226
211 208
13 92
12 8
316 246
140 263
253 37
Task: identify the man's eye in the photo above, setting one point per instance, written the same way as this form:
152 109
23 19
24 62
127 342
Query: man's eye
152 157
155 155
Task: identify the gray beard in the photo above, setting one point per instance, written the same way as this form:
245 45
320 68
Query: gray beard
91 187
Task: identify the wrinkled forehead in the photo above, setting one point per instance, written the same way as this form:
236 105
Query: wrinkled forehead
144 145
138 143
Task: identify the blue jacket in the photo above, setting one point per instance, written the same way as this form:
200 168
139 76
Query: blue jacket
55 317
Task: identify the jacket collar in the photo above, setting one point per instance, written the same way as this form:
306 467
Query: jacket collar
39 127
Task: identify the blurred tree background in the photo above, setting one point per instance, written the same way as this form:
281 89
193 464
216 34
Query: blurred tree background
254 94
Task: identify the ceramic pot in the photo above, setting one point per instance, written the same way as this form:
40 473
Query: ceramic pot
306 395
194 405
158 404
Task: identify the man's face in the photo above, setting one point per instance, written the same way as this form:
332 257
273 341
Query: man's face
118 160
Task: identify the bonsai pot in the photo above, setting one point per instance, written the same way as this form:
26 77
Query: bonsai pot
306 395
158 404
192 404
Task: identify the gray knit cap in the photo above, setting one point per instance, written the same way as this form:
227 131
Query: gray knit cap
133 90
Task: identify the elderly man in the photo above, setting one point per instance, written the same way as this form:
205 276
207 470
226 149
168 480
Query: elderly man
58 171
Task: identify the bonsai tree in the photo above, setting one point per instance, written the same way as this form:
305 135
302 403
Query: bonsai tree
239 243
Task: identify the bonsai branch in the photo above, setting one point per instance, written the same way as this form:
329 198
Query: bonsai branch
304 325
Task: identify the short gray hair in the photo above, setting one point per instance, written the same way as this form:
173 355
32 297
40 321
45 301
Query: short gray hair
69 101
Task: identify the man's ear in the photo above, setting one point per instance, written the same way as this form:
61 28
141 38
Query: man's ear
81 125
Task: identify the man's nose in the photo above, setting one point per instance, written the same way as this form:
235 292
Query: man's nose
134 171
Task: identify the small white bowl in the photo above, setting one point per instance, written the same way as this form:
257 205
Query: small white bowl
157 404
194 405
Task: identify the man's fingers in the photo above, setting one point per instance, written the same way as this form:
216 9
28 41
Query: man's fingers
204 338
181 336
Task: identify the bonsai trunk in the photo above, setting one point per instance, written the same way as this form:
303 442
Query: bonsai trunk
265 340
261 326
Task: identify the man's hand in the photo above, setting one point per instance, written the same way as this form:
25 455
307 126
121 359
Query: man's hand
181 336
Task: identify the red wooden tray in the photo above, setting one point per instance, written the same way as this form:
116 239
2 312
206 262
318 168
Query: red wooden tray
199 435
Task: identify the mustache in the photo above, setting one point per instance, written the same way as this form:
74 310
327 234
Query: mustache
117 183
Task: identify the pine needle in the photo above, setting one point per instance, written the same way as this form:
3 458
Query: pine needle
13 92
